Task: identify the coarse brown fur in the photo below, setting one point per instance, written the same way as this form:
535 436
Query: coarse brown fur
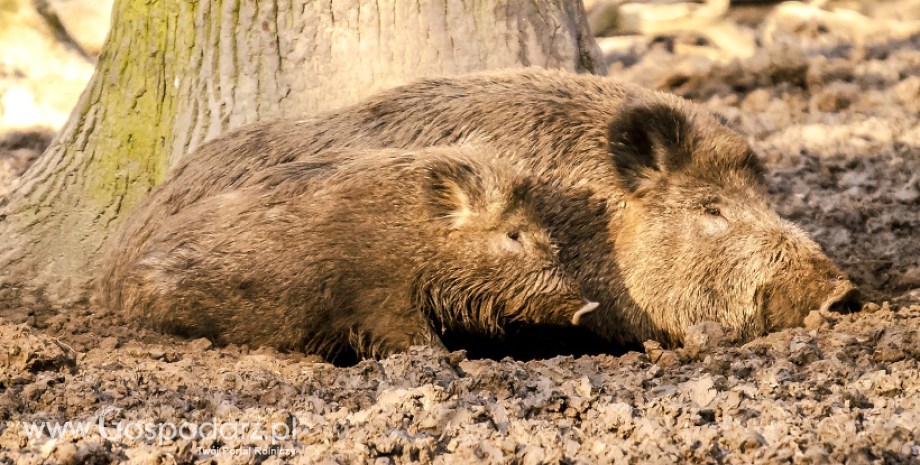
374 254
659 208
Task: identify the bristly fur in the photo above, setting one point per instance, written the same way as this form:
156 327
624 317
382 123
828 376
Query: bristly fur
365 256
630 182
470 301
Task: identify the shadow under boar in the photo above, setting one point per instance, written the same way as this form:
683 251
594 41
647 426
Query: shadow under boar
658 207
373 255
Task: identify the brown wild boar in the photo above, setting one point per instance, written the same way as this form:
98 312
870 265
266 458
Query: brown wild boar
375 254
659 208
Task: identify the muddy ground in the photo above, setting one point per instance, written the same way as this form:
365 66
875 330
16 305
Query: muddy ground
834 114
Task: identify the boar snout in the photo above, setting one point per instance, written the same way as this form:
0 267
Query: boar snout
845 297
789 300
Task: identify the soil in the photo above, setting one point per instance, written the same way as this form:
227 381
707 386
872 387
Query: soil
18 150
834 116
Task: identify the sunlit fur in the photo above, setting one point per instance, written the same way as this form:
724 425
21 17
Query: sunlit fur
747 268
375 255
593 145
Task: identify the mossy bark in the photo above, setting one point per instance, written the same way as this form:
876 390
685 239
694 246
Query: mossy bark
175 73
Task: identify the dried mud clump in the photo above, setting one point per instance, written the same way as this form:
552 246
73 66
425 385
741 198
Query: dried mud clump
845 391
24 350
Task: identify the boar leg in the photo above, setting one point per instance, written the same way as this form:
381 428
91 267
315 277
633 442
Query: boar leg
387 338
390 325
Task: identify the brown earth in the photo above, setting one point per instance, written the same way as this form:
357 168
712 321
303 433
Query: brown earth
836 118
18 150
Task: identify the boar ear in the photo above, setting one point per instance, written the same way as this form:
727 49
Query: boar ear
450 189
645 140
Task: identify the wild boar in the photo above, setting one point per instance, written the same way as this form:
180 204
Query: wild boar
658 207
367 255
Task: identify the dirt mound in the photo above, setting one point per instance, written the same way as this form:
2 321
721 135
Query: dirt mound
842 389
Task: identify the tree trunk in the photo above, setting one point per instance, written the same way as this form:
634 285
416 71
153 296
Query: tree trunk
175 73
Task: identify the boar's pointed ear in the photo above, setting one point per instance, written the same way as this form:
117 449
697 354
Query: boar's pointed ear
647 139
450 189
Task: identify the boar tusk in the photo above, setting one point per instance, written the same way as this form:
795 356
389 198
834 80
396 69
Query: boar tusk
588 308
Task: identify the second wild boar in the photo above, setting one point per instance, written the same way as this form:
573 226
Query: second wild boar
371 255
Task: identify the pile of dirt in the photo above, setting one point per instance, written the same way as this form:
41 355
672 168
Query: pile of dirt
844 389
833 114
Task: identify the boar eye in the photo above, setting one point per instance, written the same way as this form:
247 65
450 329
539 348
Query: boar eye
714 211
514 235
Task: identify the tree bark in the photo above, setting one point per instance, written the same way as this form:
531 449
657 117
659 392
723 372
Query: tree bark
175 73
